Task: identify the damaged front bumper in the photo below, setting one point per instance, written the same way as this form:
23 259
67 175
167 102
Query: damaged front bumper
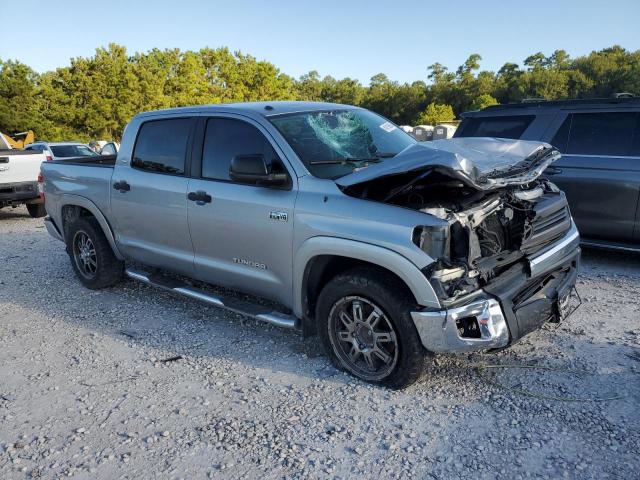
518 302
440 330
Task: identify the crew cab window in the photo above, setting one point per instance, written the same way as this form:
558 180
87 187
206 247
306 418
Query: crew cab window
161 146
227 138
606 133
501 127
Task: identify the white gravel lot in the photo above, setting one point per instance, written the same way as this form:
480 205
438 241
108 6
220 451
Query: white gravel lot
84 391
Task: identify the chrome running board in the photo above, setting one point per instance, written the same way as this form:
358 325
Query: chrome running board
253 310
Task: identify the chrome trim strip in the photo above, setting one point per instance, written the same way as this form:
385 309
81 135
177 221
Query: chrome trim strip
203 297
547 259
609 246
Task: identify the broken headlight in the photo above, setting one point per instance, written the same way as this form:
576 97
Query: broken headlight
432 240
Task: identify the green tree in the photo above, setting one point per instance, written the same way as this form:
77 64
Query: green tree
483 101
435 114
18 93
95 97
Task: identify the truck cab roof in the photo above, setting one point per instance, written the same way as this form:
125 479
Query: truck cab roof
254 109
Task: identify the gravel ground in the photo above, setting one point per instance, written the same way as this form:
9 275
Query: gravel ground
88 388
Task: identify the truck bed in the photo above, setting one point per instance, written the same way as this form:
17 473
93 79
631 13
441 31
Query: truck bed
108 161
87 177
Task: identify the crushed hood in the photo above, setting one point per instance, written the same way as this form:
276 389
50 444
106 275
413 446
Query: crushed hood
482 163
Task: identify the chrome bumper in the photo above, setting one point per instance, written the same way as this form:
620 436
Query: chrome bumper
51 228
439 332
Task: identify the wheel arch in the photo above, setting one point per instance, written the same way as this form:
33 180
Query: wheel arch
321 258
74 207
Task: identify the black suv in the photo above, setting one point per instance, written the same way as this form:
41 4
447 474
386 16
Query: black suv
600 165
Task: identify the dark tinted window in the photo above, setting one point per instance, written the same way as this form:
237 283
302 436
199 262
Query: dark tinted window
62 151
602 133
225 139
162 145
561 137
501 127
635 146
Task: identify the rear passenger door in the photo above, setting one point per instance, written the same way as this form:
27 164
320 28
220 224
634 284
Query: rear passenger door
599 171
149 196
242 234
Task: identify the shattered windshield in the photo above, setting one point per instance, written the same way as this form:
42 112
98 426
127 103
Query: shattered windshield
335 143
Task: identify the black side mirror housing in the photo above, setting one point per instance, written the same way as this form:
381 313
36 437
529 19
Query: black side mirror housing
254 169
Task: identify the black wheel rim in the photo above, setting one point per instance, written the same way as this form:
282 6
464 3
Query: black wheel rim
363 338
84 254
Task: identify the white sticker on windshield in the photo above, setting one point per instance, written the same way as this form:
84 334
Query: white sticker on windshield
388 127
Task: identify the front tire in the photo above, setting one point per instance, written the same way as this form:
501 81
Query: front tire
92 258
365 325
36 210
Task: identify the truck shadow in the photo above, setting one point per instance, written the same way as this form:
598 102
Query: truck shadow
9 213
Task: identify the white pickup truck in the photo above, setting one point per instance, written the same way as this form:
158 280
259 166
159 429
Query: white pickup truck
19 171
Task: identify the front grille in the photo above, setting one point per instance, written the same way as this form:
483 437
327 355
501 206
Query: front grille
551 220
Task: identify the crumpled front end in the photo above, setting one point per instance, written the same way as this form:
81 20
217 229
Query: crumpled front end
504 245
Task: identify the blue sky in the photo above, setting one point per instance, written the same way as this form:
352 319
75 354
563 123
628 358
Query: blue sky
341 38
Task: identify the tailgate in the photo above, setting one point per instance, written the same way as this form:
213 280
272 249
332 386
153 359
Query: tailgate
18 166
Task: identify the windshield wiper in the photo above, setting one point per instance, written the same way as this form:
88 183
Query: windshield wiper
344 161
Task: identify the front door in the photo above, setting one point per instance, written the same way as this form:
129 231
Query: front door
600 172
242 234
149 197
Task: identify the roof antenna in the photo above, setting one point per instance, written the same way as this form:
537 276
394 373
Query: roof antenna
268 107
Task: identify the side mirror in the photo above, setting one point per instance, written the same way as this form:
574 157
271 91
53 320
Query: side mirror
254 169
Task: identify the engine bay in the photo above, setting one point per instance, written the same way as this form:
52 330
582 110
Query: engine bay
476 234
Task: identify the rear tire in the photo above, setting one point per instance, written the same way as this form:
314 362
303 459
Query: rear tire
364 321
92 258
36 210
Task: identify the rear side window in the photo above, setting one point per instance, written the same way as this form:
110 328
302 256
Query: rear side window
161 146
227 138
607 133
501 127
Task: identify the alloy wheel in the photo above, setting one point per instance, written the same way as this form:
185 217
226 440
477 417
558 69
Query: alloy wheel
363 338
84 254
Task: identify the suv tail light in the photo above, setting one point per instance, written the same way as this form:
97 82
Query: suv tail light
41 186
49 158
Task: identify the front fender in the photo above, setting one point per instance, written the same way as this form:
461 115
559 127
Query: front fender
396 263
76 200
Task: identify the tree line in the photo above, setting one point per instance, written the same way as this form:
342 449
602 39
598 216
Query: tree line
95 97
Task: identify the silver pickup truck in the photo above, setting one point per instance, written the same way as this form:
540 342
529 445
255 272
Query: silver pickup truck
334 221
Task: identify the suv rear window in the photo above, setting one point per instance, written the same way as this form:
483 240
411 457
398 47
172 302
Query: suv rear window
162 145
606 133
501 127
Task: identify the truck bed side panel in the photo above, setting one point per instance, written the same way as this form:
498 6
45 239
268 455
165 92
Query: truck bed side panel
63 181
